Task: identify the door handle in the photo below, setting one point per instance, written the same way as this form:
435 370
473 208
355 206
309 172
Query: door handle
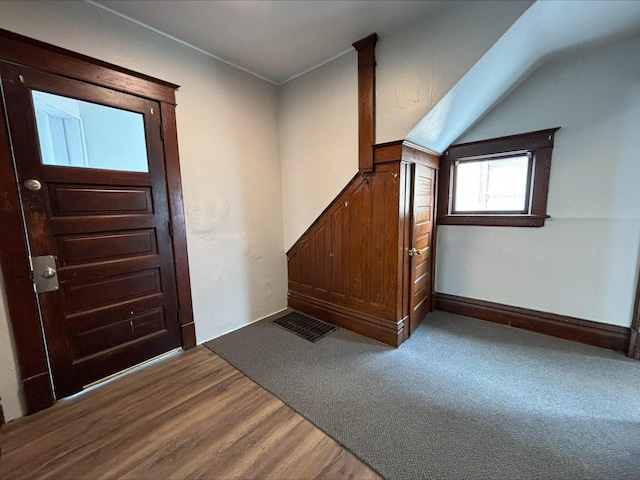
417 251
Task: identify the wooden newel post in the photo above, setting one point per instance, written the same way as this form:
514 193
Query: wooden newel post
366 100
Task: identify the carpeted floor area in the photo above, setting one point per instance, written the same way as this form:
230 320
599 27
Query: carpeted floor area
461 399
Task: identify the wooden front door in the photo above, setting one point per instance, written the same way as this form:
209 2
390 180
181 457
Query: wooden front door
421 247
90 169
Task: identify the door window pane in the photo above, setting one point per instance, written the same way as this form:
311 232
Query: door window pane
75 133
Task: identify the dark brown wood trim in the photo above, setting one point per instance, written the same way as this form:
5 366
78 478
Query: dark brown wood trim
387 152
494 220
598 334
434 242
421 156
176 208
38 392
406 151
188 335
2 420
378 329
633 349
533 140
21 299
366 48
538 143
49 58
405 235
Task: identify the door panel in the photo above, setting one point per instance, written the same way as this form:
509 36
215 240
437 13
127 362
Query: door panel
106 224
98 200
422 228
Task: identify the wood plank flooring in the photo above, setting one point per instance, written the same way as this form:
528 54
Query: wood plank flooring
191 415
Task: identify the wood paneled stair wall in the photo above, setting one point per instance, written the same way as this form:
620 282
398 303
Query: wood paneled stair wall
352 267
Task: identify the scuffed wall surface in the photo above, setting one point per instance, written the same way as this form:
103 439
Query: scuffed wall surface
419 65
584 261
228 141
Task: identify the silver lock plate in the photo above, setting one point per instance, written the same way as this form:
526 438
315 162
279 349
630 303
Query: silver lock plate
45 276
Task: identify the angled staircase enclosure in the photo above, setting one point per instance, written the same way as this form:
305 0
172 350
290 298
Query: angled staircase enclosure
366 263
352 266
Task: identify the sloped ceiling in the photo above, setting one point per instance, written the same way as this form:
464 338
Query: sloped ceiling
545 30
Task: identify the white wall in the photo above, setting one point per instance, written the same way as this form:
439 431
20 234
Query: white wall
415 68
419 65
584 261
318 141
9 394
228 140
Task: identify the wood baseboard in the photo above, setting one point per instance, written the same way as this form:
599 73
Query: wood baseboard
378 329
602 335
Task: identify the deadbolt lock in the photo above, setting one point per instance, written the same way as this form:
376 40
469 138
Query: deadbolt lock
45 276
49 272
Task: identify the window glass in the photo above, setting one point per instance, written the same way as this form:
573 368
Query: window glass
491 185
75 133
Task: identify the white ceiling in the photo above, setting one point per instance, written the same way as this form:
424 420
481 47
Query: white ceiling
274 39
278 40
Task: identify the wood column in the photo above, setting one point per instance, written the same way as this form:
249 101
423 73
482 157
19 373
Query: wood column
366 101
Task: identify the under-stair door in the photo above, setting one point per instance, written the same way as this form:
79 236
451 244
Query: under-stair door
420 253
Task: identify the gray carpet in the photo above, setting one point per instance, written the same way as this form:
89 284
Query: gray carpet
461 399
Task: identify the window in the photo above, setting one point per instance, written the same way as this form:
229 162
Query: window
75 133
498 182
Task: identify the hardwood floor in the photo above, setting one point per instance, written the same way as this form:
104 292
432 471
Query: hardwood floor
191 415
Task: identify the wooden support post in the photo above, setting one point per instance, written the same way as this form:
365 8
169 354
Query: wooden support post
366 100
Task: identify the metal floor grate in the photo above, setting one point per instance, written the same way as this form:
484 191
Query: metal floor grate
305 327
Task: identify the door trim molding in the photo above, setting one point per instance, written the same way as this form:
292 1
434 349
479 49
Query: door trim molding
14 257
598 334
59 61
21 301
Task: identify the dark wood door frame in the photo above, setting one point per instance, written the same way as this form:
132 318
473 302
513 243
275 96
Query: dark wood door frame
14 254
